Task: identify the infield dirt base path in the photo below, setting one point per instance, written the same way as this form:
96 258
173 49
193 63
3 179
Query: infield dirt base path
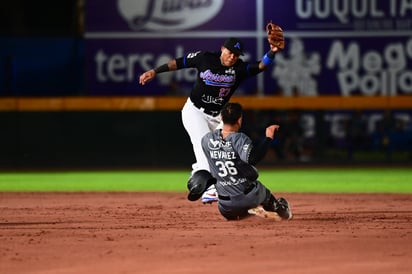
165 233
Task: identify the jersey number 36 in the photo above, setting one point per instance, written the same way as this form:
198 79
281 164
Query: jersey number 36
226 168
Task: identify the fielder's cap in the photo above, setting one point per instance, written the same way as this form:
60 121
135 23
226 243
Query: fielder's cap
234 45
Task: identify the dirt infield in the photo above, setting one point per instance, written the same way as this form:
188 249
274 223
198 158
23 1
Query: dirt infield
165 233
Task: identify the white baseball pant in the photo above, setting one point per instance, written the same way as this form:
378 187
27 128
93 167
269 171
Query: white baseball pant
197 124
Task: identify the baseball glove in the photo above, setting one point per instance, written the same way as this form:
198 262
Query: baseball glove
275 35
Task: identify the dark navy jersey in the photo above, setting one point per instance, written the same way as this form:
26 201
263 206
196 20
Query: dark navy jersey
215 83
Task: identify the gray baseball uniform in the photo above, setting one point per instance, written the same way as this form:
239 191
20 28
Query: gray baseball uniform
228 160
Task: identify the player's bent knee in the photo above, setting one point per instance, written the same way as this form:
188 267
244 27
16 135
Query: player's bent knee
198 183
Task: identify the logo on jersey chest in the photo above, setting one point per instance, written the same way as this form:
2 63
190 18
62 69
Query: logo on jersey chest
230 71
216 79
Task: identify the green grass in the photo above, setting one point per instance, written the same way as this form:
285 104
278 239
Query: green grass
340 180
363 180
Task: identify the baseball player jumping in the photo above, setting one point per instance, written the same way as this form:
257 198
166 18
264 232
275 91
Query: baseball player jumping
232 157
218 76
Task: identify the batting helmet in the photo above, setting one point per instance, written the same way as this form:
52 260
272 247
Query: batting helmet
198 183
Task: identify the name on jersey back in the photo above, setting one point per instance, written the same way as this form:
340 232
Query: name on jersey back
218 154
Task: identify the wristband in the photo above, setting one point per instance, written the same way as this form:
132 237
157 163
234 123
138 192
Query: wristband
268 58
162 68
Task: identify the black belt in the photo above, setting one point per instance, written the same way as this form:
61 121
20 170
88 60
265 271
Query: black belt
247 190
213 113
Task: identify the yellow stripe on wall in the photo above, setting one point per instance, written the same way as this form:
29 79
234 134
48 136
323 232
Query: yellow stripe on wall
150 103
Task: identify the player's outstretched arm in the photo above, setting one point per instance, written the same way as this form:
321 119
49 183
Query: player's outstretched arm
258 152
269 58
277 43
151 73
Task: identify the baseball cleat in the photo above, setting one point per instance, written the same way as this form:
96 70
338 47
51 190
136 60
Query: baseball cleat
283 209
210 195
260 212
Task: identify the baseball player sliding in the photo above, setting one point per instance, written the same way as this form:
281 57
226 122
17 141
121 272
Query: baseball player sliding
232 156
218 76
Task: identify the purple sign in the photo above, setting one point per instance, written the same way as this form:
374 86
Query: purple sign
344 47
345 66
337 15
117 66
154 16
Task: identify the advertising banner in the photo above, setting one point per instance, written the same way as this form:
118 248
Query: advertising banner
333 47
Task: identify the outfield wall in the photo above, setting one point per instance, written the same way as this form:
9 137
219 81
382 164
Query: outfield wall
341 90
156 139
92 139
160 103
